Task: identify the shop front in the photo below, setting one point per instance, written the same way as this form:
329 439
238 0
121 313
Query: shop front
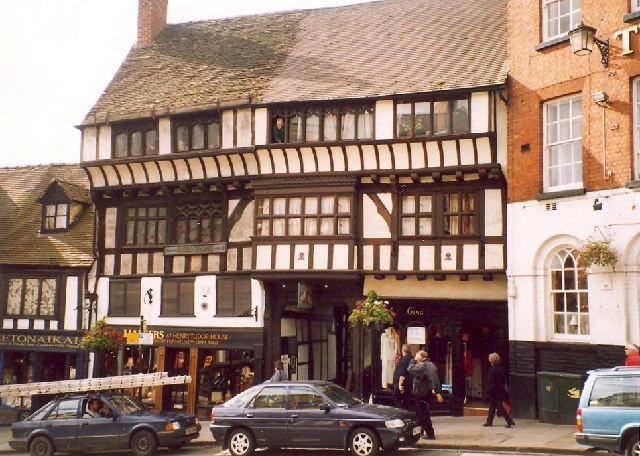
221 362
28 356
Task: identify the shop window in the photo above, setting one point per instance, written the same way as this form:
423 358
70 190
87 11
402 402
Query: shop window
270 397
199 223
31 297
56 217
177 297
569 295
145 225
124 298
222 374
322 123
17 367
418 118
312 215
196 133
134 140
233 297
563 144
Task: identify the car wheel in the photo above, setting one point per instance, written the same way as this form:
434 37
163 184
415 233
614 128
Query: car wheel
143 443
364 443
633 447
41 446
241 443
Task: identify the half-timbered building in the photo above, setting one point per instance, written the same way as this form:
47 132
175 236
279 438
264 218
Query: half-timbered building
255 176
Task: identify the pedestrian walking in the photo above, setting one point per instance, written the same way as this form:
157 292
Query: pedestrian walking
497 391
426 386
402 380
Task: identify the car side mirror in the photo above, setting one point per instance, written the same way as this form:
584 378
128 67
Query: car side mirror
325 406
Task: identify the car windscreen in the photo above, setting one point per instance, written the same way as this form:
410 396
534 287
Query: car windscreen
126 404
243 397
339 396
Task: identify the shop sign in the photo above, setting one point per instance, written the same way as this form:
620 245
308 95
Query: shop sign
39 341
415 312
625 36
196 249
173 337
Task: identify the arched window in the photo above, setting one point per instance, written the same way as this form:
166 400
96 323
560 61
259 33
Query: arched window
569 294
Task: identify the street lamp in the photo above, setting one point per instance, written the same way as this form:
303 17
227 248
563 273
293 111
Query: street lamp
582 38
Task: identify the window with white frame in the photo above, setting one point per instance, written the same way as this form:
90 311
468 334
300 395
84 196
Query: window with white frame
635 5
636 127
563 143
559 16
569 296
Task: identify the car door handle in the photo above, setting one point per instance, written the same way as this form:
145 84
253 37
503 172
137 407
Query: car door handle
295 417
249 415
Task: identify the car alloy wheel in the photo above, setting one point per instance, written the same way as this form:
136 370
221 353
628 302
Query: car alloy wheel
364 443
143 443
633 447
241 443
41 446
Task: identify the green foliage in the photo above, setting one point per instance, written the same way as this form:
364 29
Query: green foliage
598 253
101 337
371 311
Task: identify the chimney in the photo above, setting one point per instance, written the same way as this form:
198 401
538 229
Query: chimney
152 17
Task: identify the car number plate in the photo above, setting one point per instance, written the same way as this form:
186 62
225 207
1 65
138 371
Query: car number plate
191 430
417 430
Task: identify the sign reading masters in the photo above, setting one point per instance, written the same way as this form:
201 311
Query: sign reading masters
226 338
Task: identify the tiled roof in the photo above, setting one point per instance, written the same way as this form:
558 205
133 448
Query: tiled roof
21 215
374 49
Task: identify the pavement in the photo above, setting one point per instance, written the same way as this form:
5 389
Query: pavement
528 436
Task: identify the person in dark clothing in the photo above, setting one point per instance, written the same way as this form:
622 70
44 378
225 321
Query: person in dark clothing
402 380
278 130
497 391
424 370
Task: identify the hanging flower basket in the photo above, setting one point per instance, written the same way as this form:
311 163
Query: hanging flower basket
371 311
598 253
102 337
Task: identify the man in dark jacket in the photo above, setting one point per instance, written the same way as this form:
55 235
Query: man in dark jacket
402 380
424 370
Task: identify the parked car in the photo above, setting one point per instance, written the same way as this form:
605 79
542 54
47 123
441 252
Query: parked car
66 424
313 414
608 414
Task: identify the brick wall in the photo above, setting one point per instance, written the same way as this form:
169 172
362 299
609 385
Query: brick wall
152 17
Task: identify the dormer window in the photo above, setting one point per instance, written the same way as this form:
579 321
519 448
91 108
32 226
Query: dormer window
56 217
62 203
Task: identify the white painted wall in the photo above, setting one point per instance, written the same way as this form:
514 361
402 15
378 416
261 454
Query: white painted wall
164 136
384 119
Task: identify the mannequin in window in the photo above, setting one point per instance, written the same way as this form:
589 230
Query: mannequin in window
278 130
388 351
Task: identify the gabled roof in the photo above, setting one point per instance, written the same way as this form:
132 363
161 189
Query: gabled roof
69 192
21 218
375 49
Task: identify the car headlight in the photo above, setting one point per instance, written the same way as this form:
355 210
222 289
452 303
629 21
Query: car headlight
397 423
172 426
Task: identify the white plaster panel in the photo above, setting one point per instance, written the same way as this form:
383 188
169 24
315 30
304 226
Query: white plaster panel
427 258
179 262
501 136
448 257
97 177
450 153
484 150
211 167
126 263
243 228
125 175
110 221
340 256
104 142
355 257
71 311
467 152
153 172
493 256
480 112
137 171
470 257
7 324
417 155
237 165
89 144
195 165
376 226
232 259
261 126
279 162
405 257
367 257
182 170
246 258
301 256
142 263
23 323
401 152
166 171
283 257
384 119
323 156
263 257
353 159
385 257
112 177
204 296
109 264
493 212
293 160
164 136
321 256
252 164
213 263
308 160
337 157
39 324
158 262
384 154
227 129
244 127
225 166
433 154
151 311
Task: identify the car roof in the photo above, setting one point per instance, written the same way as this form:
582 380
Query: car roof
301 382
615 370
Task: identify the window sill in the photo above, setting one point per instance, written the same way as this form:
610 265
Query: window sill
631 17
177 315
547 44
632 184
561 194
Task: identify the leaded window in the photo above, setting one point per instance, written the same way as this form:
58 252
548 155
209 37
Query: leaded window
563 143
569 295
460 214
559 16
418 118
31 297
146 225
124 298
177 297
199 223
134 140
197 133
56 216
